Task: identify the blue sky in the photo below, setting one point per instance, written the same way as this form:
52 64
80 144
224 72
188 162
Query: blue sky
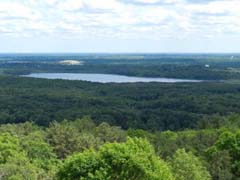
119 25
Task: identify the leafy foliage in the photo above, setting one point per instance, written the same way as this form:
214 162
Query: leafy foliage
228 145
187 166
69 137
134 160
14 162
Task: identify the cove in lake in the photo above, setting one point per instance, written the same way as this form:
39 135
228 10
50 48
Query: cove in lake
105 78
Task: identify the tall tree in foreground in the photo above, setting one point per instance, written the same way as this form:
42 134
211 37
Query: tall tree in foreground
133 160
14 164
228 145
186 166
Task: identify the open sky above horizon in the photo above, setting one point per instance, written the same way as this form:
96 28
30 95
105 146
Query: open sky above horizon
120 26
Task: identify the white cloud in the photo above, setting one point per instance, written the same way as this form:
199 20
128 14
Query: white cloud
106 4
50 2
147 1
70 5
17 10
152 2
216 7
120 18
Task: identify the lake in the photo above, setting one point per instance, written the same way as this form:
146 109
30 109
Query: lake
106 78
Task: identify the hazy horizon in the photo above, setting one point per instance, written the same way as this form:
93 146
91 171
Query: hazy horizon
130 53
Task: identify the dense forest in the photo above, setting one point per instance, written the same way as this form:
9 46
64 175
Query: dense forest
151 106
77 130
80 149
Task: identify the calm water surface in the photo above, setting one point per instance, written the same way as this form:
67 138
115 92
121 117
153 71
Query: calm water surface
105 78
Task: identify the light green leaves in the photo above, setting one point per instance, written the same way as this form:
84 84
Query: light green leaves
133 160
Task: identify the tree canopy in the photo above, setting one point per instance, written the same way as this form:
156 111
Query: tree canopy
187 166
133 160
